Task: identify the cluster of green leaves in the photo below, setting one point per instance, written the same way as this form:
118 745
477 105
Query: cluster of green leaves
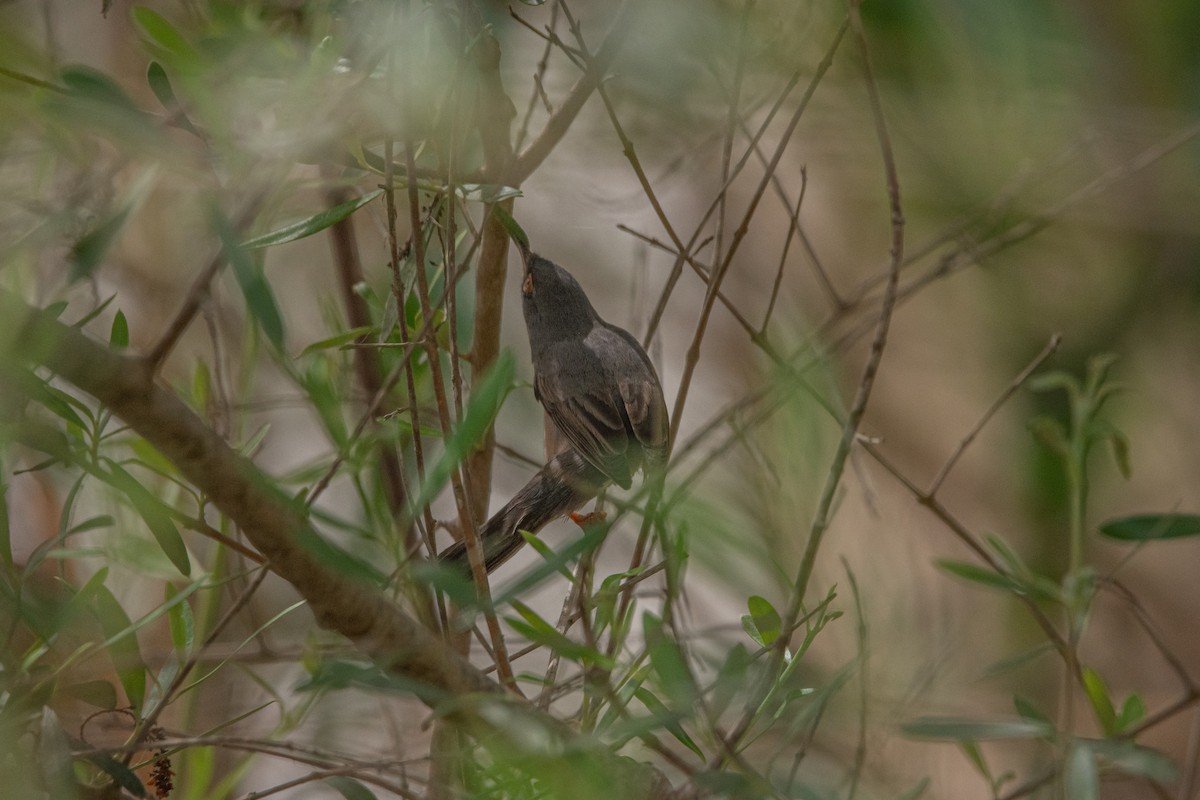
58 636
1079 757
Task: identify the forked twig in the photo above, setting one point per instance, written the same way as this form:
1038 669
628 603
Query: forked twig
1012 388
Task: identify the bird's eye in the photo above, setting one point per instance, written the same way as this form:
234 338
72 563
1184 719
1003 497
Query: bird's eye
527 286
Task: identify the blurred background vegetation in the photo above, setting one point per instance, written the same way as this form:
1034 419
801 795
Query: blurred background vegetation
1048 168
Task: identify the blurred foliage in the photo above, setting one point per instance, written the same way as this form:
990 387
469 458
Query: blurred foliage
1048 168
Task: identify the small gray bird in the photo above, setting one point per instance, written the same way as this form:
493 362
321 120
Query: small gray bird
605 413
594 379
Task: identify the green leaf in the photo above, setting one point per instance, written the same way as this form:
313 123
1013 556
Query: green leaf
336 558
118 338
1135 759
89 250
1049 381
984 576
1149 527
1133 710
763 623
122 775
959 729
1051 434
538 630
1119 447
156 515
95 85
669 719
669 663
338 340
592 538
97 693
349 788
515 231
323 397
545 551
160 84
1019 660
183 625
731 678
489 192
339 674
260 300
1097 693
1081 775
482 406
201 387
314 224
1028 710
162 33
123 645
975 757
54 400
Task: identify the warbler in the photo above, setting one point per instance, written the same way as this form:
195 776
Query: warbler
605 413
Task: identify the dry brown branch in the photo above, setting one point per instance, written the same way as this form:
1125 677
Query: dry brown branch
277 526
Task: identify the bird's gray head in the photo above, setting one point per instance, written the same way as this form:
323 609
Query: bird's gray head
555 304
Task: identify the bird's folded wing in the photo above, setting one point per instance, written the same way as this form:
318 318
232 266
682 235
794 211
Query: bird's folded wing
595 425
647 415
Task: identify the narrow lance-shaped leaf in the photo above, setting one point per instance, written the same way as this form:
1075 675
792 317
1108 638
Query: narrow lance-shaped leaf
162 33
89 251
515 231
1135 759
314 224
482 407
668 719
157 517
1098 695
1149 527
160 84
349 788
119 335
182 623
956 729
95 85
669 663
260 300
124 650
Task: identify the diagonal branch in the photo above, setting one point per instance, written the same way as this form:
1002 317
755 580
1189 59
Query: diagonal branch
274 524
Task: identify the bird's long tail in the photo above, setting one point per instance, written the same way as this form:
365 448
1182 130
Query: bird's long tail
563 485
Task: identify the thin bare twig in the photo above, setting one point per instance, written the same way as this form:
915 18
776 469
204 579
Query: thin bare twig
466 514
366 360
866 383
822 67
1012 389
198 291
693 354
556 127
150 719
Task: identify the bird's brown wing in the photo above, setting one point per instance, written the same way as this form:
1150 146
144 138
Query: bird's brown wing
593 422
574 381
641 394
647 415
